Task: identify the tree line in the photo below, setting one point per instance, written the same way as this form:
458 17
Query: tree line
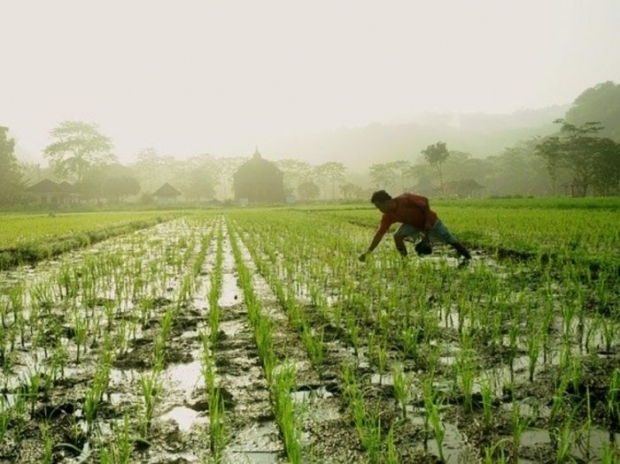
581 158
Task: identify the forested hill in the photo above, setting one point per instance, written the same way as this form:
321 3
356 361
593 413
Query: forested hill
481 135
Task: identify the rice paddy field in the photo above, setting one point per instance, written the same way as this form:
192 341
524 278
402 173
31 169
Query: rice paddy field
256 336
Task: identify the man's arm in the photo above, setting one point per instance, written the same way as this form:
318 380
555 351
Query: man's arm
374 243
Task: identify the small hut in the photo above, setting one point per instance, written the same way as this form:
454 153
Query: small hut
258 181
166 195
48 192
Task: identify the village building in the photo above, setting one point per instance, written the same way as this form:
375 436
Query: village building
166 195
258 181
48 192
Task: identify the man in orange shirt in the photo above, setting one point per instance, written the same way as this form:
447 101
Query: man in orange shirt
417 219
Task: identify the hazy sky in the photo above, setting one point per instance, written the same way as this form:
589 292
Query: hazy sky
187 77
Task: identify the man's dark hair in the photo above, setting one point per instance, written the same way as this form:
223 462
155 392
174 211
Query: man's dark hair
380 196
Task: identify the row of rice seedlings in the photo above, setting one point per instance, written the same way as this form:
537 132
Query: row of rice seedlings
365 416
366 419
285 294
308 280
217 411
215 288
280 264
100 382
280 378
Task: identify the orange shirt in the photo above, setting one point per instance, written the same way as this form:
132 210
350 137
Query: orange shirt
409 210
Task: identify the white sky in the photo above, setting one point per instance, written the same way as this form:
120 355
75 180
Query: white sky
189 76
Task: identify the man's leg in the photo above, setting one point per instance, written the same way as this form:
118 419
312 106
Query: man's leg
405 232
460 248
441 232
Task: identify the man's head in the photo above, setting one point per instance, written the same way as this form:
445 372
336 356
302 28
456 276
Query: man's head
382 200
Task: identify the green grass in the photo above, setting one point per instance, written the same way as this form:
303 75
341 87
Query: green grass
19 229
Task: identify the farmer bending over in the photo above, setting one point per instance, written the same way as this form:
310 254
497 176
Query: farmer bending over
417 218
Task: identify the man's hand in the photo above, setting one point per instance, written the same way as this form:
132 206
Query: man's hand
362 257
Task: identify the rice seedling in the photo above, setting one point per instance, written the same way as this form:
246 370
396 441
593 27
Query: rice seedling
486 392
31 389
382 359
150 387
284 409
392 456
5 417
48 444
80 329
353 331
217 412
610 329
533 343
519 425
402 386
564 441
465 370
513 350
613 398
409 339
160 344
118 450
495 454
558 401
367 423
432 410
609 453
313 344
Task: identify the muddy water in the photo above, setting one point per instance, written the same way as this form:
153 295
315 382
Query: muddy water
253 434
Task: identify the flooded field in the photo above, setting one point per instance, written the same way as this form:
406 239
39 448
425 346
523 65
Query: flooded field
259 338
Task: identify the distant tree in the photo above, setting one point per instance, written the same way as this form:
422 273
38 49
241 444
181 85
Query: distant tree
607 167
150 168
200 174
332 172
436 155
351 191
382 175
588 157
392 175
422 173
119 188
517 170
581 149
78 147
550 149
294 171
308 191
463 165
599 103
402 170
113 182
11 183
